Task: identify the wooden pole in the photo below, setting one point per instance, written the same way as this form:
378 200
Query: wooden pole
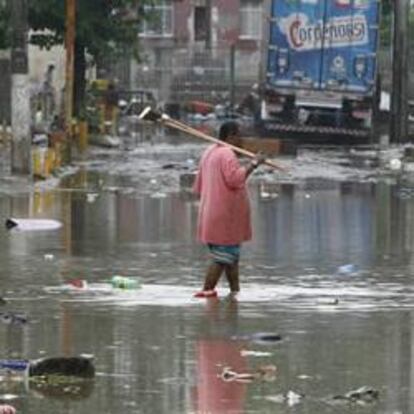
399 97
70 35
192 131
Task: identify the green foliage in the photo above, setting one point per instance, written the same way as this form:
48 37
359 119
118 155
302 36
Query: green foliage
103 27
4 26
386 22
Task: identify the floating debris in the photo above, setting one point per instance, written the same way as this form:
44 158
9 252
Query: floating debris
91 197
32 224
245 352
264 373
13 318
364 394
78 284
346 269
291 398
122 282
79 366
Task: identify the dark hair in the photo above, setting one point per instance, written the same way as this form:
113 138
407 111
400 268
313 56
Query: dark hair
227 129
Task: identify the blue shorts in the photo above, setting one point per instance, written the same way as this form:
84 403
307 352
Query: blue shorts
226 255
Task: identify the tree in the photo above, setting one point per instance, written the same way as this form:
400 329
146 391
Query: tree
103 28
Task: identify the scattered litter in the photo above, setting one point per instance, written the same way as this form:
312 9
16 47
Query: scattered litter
395 164
245 352
265 337
169 166
78 366
304 377
14 364
307 195
32 224
122 282
49 257
279 398
78 283
293 398
91 197
265 373
13 318
153 181
346 269
328 301
364 394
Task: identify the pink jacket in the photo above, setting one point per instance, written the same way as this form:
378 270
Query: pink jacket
224 214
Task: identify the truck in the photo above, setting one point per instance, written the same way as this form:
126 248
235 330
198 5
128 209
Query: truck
321 76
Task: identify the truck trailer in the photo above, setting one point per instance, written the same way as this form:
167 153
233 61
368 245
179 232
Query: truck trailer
321 74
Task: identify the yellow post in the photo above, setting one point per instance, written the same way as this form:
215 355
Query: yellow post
83 135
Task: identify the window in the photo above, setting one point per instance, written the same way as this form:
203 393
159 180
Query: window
250 19
159 21
200 23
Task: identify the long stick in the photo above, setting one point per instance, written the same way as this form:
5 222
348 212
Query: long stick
192 131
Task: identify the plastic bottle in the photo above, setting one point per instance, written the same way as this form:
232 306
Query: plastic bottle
122 282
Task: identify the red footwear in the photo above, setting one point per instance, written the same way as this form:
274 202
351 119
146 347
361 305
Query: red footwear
77 283
206 294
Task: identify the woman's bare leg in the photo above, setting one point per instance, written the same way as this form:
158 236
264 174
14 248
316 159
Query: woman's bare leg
214 272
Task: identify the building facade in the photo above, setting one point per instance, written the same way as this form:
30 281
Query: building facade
189 48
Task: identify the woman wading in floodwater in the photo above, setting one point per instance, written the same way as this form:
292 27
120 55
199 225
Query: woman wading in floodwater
224 216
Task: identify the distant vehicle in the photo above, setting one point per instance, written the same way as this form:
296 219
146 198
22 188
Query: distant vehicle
321 75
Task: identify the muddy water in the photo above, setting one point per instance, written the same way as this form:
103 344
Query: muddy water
156 349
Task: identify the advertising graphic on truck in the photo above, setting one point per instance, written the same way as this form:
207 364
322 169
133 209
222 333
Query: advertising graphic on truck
321 74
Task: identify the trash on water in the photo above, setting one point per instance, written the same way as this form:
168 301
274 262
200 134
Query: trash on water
293 398
9 318
328 301
245 352
395 164
91 197
264 373
76 366
364 394
32 224
78 283
346 269
266 337
122 282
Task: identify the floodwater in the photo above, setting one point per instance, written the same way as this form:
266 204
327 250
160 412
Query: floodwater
158 350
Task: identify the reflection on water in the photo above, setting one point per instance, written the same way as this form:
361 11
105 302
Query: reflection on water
164 358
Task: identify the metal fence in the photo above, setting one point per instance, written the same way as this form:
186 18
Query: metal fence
189 74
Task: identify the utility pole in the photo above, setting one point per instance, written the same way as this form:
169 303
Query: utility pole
21 159
69 75
232 76
399 97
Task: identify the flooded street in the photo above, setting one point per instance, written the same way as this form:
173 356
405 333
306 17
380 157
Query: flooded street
329 270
